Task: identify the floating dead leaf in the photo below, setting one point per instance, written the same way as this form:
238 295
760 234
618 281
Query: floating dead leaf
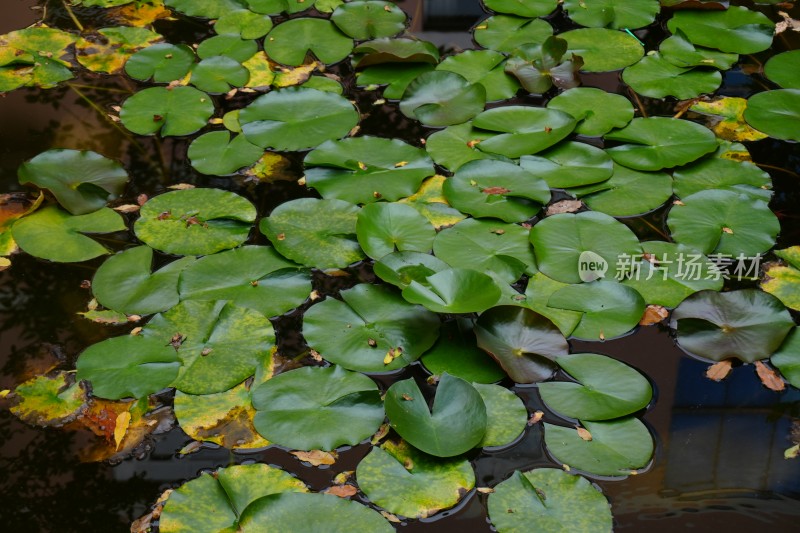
788 23
181 186
192 447
317 457
485 490
286 77
139 14
564 206
719 371
390 517
535 418
127 208
144 523
769 377
653 314
121 427
726 118
342 491
315 355
380 434
342 477
792 453
584 434
392 354
272 167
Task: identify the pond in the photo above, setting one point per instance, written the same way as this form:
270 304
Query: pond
349 283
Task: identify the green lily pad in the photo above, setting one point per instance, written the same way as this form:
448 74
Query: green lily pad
323 83
659 142
495 189
297 119
539 67
442 98
457 145
315 233
522 8
617 448
395 76
195 221
569 164
604 388
108 49
365 169
724 222
506 415
609 309
49 400
784 69
627 193
524 343
430 201
372 329
783 281
386 50
400 268
787 358
603 50
128 366
679 50
455 290
506 33
317 408
163 62
210 9
82 182
457 353
230 46
55 235
560 240
540 289
456 424
656 77
218 74
746 324
244 24
548 500
173 112
485 67
776 113
736 30
215 501
289 42
522 130
217 154
255 277
408 482
369 19
383 228
741 177
616 14
596 111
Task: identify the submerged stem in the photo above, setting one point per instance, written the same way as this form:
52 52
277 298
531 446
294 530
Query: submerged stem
100 110
72 15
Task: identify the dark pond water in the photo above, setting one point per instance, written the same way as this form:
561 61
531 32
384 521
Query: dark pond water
719 459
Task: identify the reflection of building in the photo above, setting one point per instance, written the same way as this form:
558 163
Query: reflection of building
444 22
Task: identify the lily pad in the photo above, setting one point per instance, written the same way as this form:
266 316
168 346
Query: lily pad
615 14
539 67
741 177
485 67
297 119
366 169
784 69
383 228
49 400
243 23
506 33
255 277
218 74
524 343
291 41
736 30
210 9
395 76
82 182
679 50
173 112
35 56
317 408
522 8
627 193
442 98
386 50
538 292
787 358
195 221
609 309
107 50
372 329
217 154
457 145
315 233
430 201
455 290
596 111
408 482
522 130
506 415
656 77
457 353
746 324
163 62
776 113
726 118
456 424
275 7
230 46
569 164
55 235
603 50
783 281
369 19
400 268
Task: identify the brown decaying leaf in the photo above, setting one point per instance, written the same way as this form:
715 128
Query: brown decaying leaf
719 371
788 23
535 418
390 517
584 434
342 491
380 434
769 377
564 206
653 315
495 190
181 186
316 457
127 208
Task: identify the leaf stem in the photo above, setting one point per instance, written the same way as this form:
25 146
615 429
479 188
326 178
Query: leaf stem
97 108
72 15
639 104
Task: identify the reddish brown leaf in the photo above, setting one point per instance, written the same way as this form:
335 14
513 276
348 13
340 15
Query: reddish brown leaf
653 315
317 457
495 190
719 371
769 377
342 491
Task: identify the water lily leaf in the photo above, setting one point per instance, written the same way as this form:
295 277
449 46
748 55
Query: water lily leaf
372 329
48 400
502 250
317 408
163 62
125 284
55 235
746 324
82 182
13 206
195 221
495 189
724 222
736 30
34 57
506 33
430 201
455 146
627 193
560 240
213 501
656 77
506 415
128 366
442 98
218 74
217 154
787 358
388 50
108 49
616 14
776 113
323 83
396 77
539 67
290 512
315 233
725 174
456 424
176 111
408 482
457 353
383 228
609 309
538 292
604 388
219 344
230 46
569 164
550 500
676 271
274 7
485 67
244 24
522 130
400 268
524 343
210 9
297 119
603 50
369 19
660 142
290 42
138 14
784 69
726 118
255 277
596 111
783 281
617 447
679 50
455 290
366 169
522 8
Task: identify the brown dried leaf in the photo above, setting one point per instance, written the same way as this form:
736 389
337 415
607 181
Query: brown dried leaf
769 377
584 434
380 434
390 517
535 418
127 208
495 190
181 186
342 491
653 315
317 457
788 23
564 206
719 371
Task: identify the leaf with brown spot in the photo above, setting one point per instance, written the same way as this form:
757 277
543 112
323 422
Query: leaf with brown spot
769 377
495 190
719 371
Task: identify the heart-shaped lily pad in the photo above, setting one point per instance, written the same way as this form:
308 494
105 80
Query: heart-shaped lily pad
540 289
388 50
275 7
163 62
787 358
395 76
737 29
457 353
485 67
784 69
616 14
680 51
776 113
290 41
210 9
569 164
656 77
455 290
596 111
609 309
429 200
627 193
603 50
716 173
506 33
522 130
522 8
457 145
317 408
383 228
243 23
369 19
218 74
172 111
217 154
506 415
400 268
783 281
229 46
108 49
442 98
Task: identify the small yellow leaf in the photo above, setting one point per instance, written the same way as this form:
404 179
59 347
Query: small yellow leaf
485 490
535 418
792 453
4 393
121 427
5 263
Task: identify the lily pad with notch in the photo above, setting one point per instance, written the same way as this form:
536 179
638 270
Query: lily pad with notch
603 50
369 19
383 228
716 173
776 113
609 309
400 268
173 111
291 41
655 77
219 74
163 62
456 352
243 23
506 415
485 67
627 193
522 130
735 30
442 98
679 50
569 164
538 292
596 111
390 50
217 153
456 145
506 33
454 290
615 14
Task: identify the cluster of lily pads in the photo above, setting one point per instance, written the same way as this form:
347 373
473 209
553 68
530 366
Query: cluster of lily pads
477 261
